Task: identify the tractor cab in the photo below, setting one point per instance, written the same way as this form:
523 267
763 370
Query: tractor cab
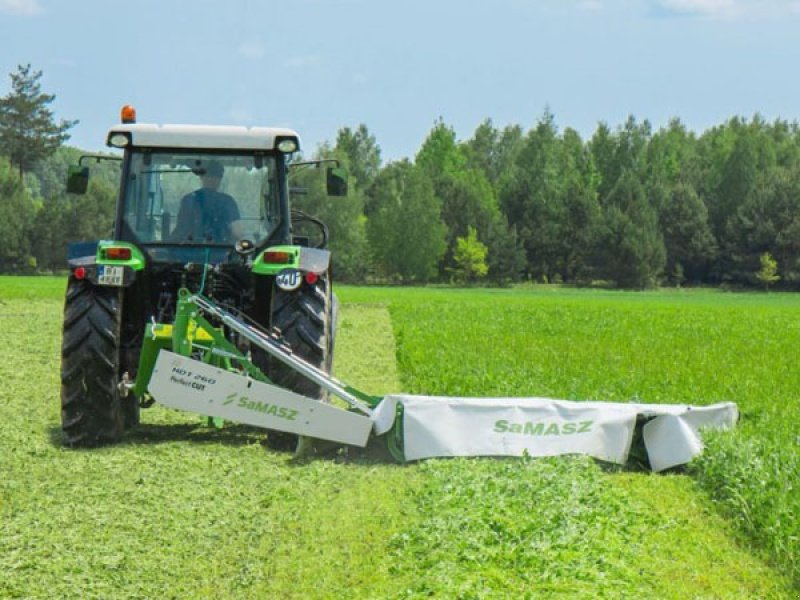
175 197
190 186
186 186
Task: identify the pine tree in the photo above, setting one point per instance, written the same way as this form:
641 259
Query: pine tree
768 274
28 132
631 247
470 258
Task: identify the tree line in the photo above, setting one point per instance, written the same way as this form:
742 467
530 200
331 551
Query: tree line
628 207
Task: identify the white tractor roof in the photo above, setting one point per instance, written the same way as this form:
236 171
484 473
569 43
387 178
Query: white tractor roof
203 136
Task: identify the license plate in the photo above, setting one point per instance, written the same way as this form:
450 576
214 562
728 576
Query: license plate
110 275
289 279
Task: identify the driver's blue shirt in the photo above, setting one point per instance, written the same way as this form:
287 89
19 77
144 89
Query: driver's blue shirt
205 216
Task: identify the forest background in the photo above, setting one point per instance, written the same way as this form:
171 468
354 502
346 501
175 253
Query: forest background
629 207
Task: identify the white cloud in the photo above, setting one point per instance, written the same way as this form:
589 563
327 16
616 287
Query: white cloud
24 8
728 9
776 7
252 49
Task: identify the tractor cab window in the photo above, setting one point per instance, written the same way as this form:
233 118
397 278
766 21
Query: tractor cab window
199 198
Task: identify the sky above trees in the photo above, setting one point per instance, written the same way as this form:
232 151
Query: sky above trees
318 65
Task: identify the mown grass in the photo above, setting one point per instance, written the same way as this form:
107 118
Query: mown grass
547 528
177 510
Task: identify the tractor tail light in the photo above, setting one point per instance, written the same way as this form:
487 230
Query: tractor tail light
117 253
79 273
311 278
276 257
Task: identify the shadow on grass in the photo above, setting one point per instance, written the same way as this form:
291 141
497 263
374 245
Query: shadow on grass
374 453
229 435
164 433
237 435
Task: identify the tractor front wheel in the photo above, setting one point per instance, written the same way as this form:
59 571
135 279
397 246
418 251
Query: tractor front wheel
92 411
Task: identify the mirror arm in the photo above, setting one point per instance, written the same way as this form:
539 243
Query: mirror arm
297 167
314 163
97 158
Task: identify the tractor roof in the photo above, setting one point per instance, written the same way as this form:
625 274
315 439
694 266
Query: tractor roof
210 137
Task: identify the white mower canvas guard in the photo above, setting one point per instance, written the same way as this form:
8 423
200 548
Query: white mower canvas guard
443 426
187 384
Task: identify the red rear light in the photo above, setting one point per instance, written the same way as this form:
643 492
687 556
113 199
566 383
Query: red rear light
117 253
79 272
277 258
311 278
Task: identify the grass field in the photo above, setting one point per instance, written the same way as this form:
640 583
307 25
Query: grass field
177 510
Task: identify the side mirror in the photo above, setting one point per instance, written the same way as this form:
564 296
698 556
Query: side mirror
77 180
336 181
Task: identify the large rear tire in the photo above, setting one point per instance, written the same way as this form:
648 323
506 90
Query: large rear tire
92 411
306 322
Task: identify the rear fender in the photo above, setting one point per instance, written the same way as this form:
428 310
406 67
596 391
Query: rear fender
276 259
99 267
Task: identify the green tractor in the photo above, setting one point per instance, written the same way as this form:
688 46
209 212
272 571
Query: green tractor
204 209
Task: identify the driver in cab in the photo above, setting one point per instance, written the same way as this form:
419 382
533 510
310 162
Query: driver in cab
208 215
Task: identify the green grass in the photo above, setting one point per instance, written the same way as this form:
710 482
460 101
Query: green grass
177 510
686 346
32 288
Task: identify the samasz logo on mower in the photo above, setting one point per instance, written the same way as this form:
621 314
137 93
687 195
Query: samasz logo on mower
543 428
266 408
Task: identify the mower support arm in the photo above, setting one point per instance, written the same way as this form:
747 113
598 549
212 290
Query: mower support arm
272 345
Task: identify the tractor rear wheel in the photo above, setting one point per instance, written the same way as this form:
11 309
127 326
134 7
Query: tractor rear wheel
92 411
305 320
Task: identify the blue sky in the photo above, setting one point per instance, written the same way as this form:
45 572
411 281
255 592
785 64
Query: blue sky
318 65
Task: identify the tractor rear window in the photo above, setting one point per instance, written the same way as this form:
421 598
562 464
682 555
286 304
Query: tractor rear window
200 198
